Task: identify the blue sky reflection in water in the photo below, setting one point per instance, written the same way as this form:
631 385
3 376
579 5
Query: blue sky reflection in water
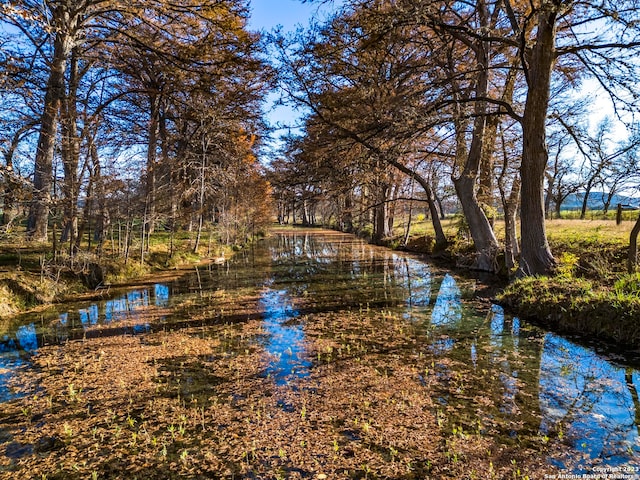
448 307
595 402
496 374
508 375
416 278
11 359
17 348
14 354
603 428
26 339
285 345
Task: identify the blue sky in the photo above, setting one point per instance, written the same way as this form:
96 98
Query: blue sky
267 14
288 14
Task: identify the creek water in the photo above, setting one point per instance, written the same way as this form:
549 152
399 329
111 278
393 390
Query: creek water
503 377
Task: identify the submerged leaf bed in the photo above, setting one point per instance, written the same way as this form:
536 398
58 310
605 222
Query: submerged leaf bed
201 402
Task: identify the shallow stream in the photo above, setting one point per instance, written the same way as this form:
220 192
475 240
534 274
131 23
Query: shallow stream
497 376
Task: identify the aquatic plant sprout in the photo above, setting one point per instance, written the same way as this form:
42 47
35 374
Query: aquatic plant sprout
323 303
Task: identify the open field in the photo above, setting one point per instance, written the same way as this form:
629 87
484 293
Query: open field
557 229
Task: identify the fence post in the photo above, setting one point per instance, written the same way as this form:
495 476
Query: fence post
619 214
633 247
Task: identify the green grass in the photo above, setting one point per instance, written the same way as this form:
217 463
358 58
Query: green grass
31 275
559 230
599 245
567 303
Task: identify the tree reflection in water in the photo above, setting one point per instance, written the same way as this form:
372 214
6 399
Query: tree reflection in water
496 376
591 401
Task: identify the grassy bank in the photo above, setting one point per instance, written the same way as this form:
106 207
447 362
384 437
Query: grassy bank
590 294
33 276
570 304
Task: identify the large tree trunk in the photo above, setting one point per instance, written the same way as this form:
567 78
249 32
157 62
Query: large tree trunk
42 177
608 200
585 201
438 201
536 257
391 207
305 218
152 147
174 179
407 231
102 219
548 195
9 209
486 179
484 239
86 216
70 156
380 214
558 208
347 214
201 199
512 250
510 204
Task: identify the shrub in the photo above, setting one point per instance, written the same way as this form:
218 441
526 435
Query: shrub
628 285
118 271
9 302
567 264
